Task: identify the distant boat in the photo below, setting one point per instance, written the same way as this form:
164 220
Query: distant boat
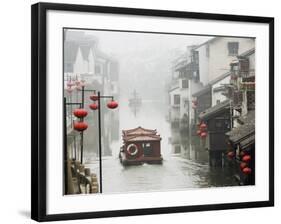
140 146
135 101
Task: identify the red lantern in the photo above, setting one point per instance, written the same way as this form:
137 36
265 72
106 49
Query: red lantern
112 104
243 165
78 87
203 126
70 84
80 113
198 132
195 102
94 97
80 126
247 170
69 89
246 158
93 106
230 155
203 135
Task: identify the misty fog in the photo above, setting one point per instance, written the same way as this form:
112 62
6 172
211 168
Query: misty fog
145 59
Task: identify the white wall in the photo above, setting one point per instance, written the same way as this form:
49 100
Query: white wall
217 95
219 59
203 65
15 199
175 110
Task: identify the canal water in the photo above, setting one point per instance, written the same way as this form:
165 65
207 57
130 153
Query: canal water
184 166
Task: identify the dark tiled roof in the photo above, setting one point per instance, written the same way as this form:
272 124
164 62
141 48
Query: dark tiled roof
214 81
210 112
250 140
205 89
247 53
244 131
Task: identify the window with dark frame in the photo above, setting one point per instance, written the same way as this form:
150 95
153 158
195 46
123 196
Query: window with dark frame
184 83
177 99
233 48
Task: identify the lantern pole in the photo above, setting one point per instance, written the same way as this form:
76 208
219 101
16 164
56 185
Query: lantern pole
99 127
82 133
100 145
65 146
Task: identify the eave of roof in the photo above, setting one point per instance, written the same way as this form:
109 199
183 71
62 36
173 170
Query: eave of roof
247 53
202 91
212 111
242 132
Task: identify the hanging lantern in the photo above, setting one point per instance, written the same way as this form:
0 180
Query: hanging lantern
93 106
112 104
79 87
246 158
243 165
194 104
80 113
80 126
69 84
94 97
83 83
198 132
203 135
77 82
69 90
203 126
230 155
247 170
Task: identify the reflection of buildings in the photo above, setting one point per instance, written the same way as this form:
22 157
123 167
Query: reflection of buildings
84 61
135 103
213 82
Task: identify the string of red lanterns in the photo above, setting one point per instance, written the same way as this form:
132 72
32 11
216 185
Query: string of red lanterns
244 161
81 112
202 131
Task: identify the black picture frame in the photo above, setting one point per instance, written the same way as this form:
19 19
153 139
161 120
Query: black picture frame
39 108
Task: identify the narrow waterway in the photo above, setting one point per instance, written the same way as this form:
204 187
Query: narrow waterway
184 166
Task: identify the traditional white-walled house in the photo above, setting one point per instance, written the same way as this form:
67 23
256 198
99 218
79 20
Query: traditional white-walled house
186 79
216 54
218 87
83 60
175 103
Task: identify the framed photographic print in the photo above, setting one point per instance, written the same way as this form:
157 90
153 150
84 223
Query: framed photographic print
140 111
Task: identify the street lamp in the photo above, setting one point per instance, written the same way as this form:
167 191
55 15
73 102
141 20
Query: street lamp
96 106
80 113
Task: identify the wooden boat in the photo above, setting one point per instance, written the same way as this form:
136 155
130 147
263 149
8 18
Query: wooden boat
140 146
